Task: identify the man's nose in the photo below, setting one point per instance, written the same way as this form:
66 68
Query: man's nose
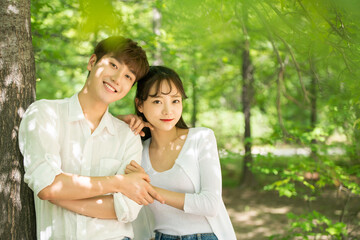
116 77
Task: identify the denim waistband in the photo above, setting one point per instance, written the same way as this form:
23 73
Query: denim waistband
198 236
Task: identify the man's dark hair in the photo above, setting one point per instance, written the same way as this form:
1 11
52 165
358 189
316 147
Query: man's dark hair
125 51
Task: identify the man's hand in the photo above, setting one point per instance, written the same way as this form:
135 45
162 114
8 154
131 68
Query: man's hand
136 186
135 123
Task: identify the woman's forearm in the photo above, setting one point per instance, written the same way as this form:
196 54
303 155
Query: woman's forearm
97 207
174 199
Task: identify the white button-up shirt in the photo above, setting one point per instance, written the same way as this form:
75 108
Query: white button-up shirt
54 137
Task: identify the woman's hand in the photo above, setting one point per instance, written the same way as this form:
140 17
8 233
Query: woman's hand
135 123
133 167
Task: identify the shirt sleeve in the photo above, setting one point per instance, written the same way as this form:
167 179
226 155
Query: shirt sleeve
207 201
39 145
126 209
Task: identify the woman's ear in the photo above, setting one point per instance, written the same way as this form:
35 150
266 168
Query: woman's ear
138 105
91 62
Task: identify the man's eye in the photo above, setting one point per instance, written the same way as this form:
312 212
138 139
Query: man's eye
113 65
128 77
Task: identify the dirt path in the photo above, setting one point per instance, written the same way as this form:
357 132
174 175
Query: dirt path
256 215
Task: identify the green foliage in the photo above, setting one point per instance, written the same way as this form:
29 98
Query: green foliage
306 178
313 225
231 166
203 41
313 45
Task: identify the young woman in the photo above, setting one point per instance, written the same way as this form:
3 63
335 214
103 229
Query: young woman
182 163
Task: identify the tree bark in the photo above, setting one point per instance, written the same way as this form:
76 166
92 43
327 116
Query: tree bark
157 56
313 105
194 95
247 178
17 91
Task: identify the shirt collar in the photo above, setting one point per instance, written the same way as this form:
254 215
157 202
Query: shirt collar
75 110
76 114
106 123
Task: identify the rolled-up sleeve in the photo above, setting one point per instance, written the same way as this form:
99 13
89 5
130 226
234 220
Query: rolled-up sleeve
126 209
206 202
38 142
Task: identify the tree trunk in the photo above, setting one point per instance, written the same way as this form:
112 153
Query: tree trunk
17 91
157 56
247 178
313 105
356 137
194 95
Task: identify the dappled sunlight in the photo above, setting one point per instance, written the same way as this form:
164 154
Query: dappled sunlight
99 71
21 112
76 149
51 129
241 216
3 95
14 133
31 125
12 9
257 214
46 233
14 76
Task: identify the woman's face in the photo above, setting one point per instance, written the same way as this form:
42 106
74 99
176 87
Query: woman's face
164 110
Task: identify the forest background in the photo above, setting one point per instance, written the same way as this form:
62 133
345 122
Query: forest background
277 81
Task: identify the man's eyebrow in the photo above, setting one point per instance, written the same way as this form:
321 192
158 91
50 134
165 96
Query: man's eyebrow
121 62
114 58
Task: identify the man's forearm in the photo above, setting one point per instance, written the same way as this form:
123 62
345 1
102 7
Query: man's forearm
71 187
97 207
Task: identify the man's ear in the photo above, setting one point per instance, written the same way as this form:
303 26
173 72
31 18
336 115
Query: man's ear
92 62
138 105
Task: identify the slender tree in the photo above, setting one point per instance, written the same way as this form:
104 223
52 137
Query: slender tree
313 103
157 56
17 91
247 98
194 94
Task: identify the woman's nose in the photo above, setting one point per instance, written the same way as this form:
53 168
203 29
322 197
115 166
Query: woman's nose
166 109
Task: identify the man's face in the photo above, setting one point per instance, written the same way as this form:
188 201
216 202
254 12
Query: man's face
109 79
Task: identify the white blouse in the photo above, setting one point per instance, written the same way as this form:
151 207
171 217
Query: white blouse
54 137
198 163
167 218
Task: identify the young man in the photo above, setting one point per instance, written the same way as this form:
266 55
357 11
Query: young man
75 152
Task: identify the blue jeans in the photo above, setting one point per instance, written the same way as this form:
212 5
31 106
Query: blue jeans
199 236
126 238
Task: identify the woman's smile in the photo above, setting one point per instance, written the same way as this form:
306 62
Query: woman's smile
167 120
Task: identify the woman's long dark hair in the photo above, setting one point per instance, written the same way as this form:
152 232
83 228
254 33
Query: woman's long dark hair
155 76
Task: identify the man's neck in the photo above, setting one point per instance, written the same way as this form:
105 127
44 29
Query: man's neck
92 108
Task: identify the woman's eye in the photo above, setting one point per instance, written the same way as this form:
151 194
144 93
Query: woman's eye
156 102
176 101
